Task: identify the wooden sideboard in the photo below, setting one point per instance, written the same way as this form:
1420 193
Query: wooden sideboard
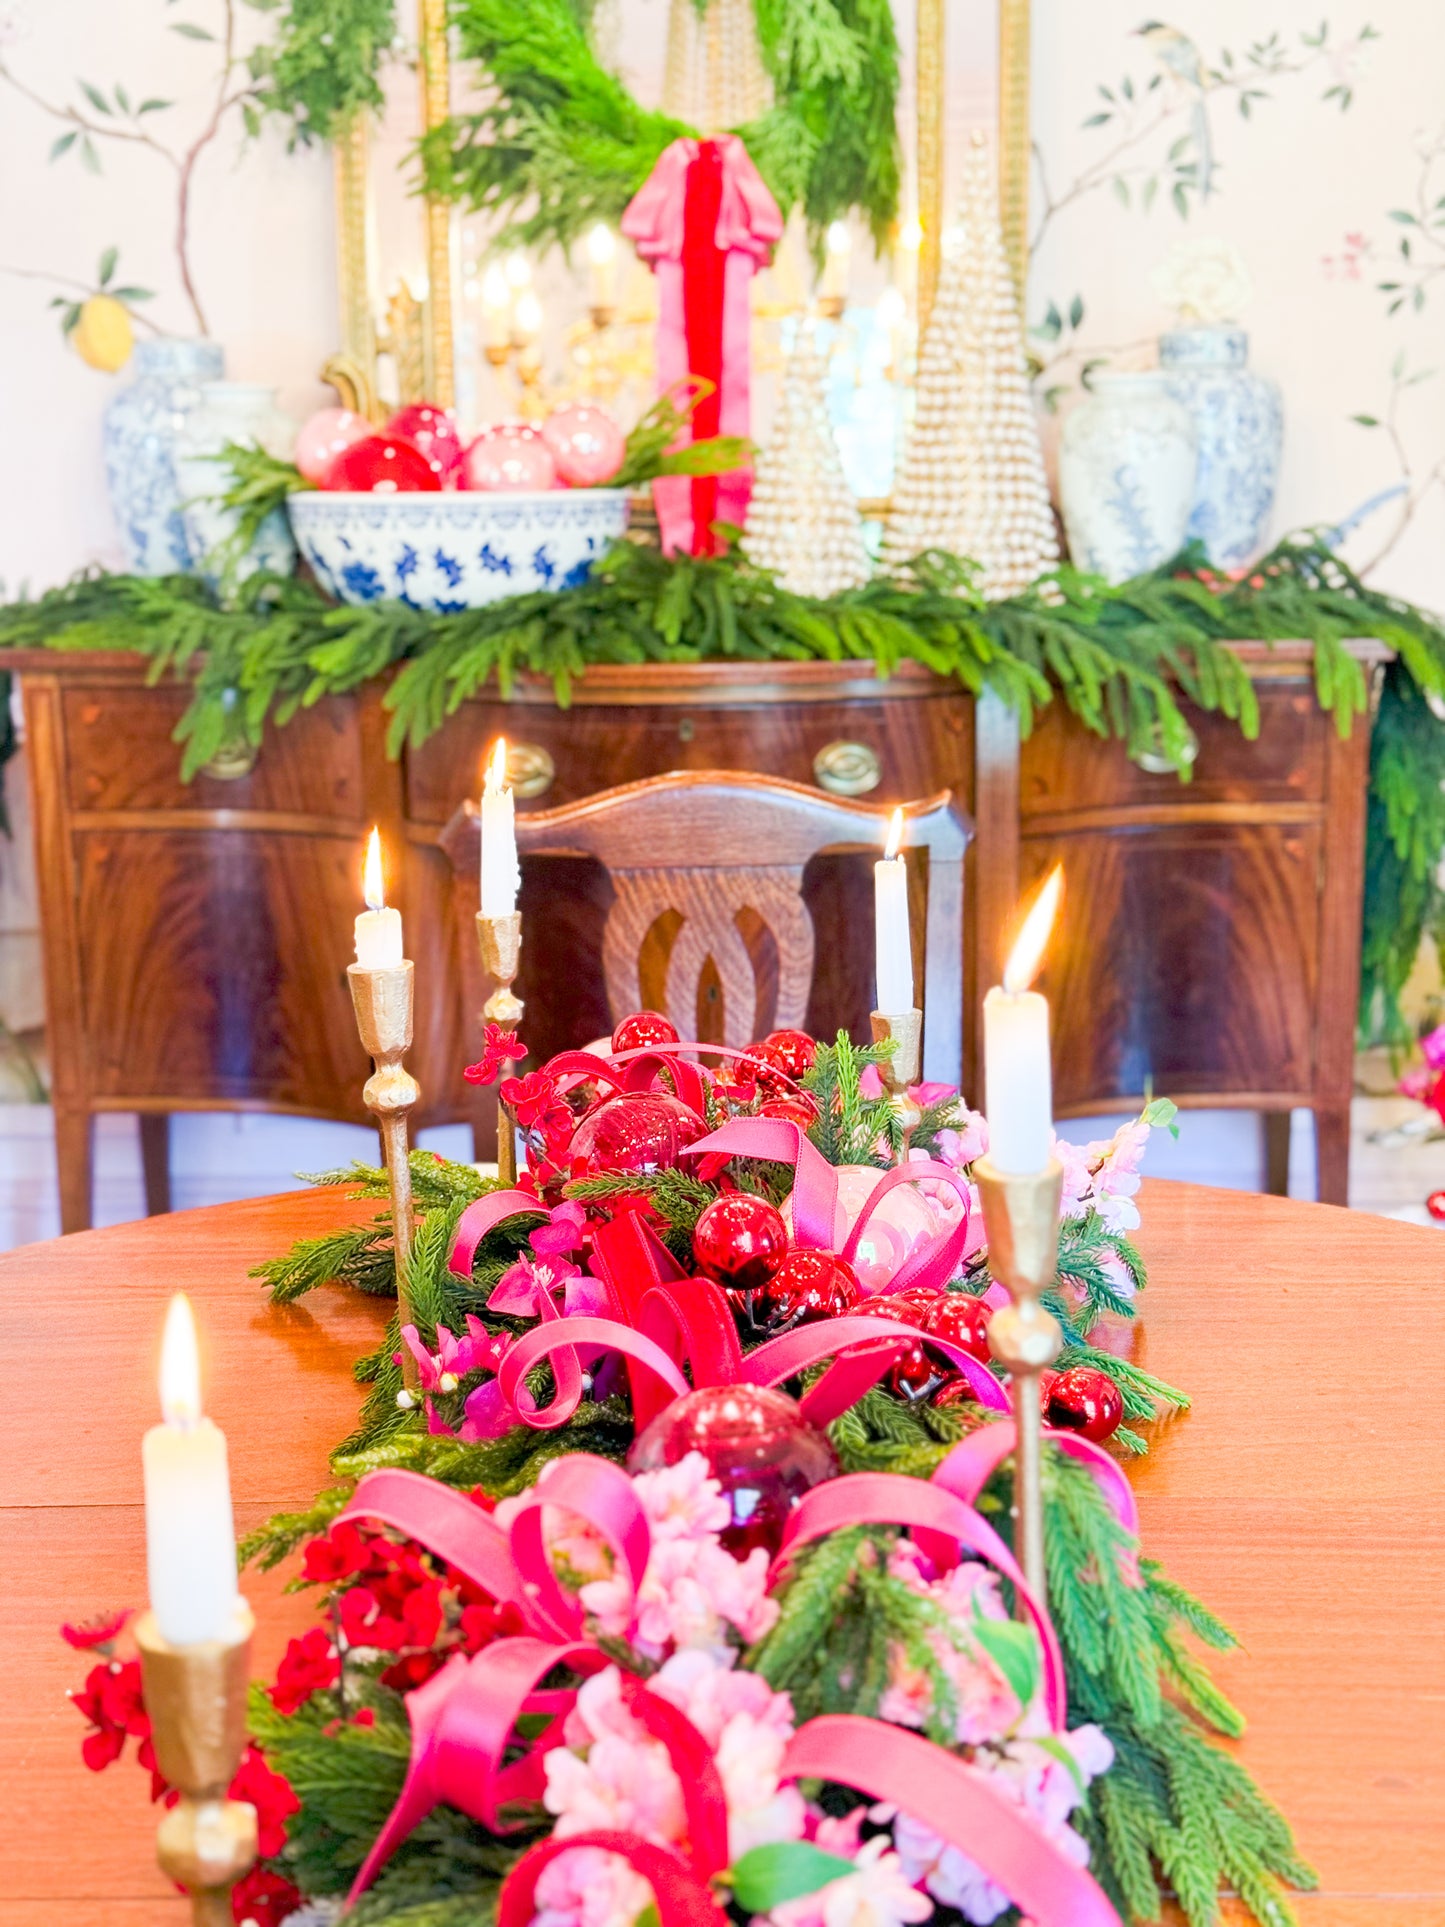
196 935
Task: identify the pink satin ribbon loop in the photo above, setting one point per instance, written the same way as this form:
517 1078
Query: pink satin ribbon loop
556 1339
943 1527
960 1804
446 1521
781 1140
681 1899
934 1265
974 1460
598 1492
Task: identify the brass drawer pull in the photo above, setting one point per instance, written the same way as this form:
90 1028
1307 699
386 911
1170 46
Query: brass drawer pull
530 770
847 769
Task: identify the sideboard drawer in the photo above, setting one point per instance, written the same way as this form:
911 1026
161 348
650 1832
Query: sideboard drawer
121 754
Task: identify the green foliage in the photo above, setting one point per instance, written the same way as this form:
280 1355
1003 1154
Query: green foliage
850 1125
564 144
321 66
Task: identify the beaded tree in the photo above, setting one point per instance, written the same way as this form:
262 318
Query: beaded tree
973 476
803 520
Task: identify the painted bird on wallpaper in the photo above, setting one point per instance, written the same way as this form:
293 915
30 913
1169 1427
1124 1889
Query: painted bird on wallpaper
1179 56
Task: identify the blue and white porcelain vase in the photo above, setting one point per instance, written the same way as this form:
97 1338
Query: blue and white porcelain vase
1240 424
231 411
1127 457
139 436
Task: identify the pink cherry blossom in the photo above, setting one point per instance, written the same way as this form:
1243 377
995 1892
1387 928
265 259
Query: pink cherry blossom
590 1888
878 1893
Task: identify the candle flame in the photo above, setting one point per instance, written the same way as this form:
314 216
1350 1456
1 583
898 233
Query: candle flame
180 1365
1027 953
601 245
895 835
372 886
496 779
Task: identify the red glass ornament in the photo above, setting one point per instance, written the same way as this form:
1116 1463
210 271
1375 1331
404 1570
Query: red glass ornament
644 1028
432 430
955 1391
796 1105
792 1051
636 1131
1086 1401
963 1321
383 465
1435 1205
758 1446
739 1241
805 1286
917 1373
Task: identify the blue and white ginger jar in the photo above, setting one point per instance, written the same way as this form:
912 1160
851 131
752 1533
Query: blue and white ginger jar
1127 457
139 435
1240 424
453 551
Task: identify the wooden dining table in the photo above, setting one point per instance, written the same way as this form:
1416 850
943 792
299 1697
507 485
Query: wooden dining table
1301 1497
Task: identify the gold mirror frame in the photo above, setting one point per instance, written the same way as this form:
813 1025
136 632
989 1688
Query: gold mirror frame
419 332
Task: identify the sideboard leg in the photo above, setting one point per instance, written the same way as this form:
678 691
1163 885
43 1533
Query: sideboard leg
1275 1127
155 1157
72 1157
1332 1151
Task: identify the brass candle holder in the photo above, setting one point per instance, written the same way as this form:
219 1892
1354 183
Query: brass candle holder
1021 1216
905 1027
382 1000
196 1698
500 941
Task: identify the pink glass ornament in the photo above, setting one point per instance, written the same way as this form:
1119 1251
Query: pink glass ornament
509 459
636 1131
586 444
328 433
758 1446
903 1222
433 431
383 465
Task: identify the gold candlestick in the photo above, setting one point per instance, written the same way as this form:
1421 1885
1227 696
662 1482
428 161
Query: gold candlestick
500 941
906 1027
1021 1216
382 1000
196 1698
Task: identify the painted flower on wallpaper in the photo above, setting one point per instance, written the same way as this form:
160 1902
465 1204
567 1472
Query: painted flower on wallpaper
1204 279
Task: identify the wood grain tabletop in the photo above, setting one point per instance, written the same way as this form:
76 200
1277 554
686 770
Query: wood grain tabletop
1302 1497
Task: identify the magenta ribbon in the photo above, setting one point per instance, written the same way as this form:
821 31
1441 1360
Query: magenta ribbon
747 228
464 1719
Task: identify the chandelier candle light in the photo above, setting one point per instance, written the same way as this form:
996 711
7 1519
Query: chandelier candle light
499 927
1020 1184
896 1016
195 1641
382 984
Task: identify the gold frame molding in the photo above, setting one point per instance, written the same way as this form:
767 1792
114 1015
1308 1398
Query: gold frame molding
420 332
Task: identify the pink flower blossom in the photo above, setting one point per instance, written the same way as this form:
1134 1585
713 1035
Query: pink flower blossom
454 1357
965 1140
1433 1046
590 1888
878 1893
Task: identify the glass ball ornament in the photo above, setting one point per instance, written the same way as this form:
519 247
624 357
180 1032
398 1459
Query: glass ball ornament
383 465
919 1372
432 430
758 1446
585 442
739 1241
964 1321
792 1051
796 1106
327 434
510 459
904 1222
1435 1205
804 1287
1085 1401
636 1131
643 1029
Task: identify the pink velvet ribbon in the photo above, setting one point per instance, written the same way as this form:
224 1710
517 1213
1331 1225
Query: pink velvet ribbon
464 1719
748 226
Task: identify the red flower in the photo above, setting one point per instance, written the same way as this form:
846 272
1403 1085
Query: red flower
404 1675
310 1665
112 1702
269 1792
344 1553
103 1630
499 1046
535 1102
264 1897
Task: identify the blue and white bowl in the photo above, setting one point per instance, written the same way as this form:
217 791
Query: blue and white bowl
449 552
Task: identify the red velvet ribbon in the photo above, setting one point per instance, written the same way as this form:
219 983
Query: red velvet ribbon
704 270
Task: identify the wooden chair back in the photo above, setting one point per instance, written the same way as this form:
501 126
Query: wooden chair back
706 869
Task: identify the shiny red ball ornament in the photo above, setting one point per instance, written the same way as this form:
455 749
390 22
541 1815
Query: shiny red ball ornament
383 465
805 1286
644 1029
759 1448
918 1373
796 1105
739 1241
636 1131
792 1051
1083 1400
963 1321
1435 1205
432 430
956 1392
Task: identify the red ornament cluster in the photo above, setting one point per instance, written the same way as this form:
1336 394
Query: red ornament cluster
420 451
